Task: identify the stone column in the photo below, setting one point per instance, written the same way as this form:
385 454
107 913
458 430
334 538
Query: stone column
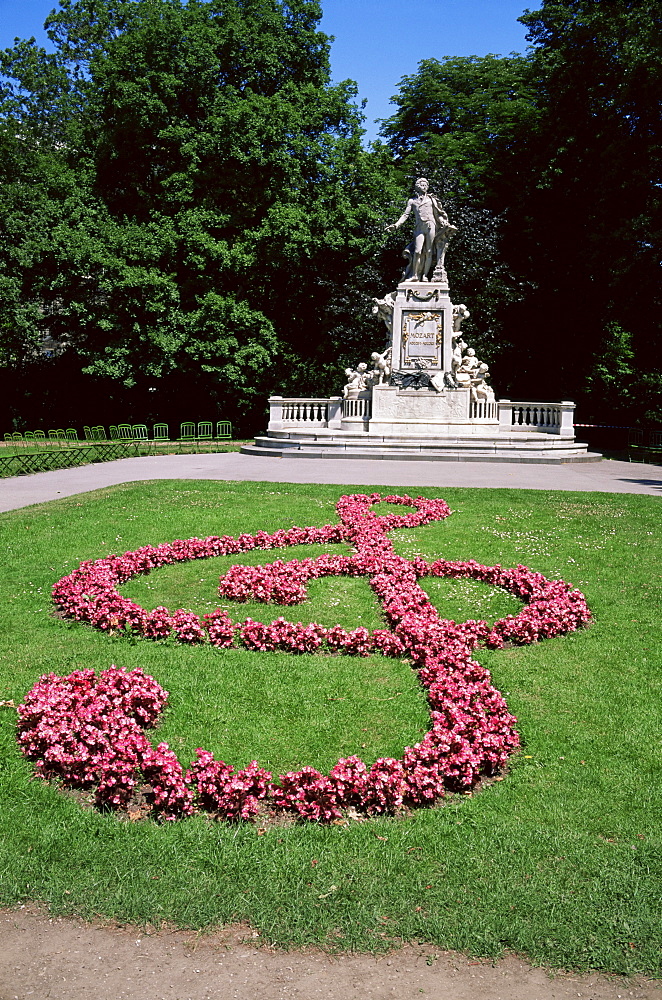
505 416
275 413
335 412
567 427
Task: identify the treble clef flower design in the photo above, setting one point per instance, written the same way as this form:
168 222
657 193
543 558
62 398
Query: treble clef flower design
471 730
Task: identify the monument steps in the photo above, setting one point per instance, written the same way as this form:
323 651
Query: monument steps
519 448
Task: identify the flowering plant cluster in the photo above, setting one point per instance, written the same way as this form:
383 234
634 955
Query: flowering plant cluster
90 732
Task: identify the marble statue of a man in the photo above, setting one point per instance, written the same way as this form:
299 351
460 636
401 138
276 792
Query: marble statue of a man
430 219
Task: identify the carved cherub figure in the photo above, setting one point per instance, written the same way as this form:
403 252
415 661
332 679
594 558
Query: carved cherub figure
460 313
353 381
467 368
481 392
456 358
384 309
382 365
356 379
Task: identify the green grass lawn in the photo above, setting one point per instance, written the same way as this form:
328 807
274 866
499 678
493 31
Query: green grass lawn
560 860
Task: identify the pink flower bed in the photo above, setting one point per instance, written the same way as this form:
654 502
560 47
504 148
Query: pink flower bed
90 732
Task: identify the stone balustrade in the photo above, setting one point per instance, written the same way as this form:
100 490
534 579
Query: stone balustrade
295 413
549 418
301 414
357 408
482 410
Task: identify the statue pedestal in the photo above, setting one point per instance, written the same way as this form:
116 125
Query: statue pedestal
422 327
425 413
356 409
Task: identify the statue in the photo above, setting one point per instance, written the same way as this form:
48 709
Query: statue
384 309
429 341
356 380
481 392
458 347
460 313
353 379
382 366
431 234
472 374
466 370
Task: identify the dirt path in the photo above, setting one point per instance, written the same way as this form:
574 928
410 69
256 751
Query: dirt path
66 959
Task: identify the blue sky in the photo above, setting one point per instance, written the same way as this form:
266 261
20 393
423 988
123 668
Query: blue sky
377 42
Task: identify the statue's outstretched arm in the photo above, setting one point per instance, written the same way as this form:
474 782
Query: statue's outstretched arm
403 217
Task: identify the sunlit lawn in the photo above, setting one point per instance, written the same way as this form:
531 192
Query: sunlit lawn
560 860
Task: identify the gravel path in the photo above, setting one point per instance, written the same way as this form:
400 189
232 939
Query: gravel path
604 477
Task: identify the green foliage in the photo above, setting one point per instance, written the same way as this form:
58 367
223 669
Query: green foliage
186 206
220 196
38 192
619 385
598 162
561 148
470 114
560 861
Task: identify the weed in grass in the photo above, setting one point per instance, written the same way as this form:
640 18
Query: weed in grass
459 600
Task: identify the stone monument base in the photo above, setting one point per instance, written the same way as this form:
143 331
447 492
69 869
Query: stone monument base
420 425
428 414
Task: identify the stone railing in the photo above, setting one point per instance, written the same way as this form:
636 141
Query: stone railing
302 414
550 418
358 408
310 414
483 410
306 411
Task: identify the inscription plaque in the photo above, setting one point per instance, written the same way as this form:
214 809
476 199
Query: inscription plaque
421 338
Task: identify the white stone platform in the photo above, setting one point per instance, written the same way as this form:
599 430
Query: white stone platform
521 432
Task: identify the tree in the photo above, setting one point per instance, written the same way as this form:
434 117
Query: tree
592 219
471 115
616 384
223 193
562 147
